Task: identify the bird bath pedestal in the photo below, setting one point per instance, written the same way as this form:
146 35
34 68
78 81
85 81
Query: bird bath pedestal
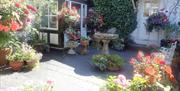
105 38
72 45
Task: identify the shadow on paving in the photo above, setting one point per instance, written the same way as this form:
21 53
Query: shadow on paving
83 65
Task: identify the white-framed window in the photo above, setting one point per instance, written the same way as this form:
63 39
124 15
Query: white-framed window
49 19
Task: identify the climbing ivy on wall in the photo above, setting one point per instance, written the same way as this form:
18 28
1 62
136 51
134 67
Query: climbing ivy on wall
117 13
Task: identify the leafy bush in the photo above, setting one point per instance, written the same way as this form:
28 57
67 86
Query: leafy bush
104 61
117 13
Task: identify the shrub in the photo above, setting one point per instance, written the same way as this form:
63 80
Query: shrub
117 13
104 61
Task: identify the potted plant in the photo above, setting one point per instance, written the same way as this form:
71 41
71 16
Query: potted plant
115 62
156 21
4 50
84 41
108 62
13 15
31 57
16 60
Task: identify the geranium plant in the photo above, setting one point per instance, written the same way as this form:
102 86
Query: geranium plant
13 14
13 17
121 83
154 69
157 21
68 17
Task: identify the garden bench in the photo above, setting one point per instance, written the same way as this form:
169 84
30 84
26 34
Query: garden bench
169 52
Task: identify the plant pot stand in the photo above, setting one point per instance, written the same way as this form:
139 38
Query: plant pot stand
72 45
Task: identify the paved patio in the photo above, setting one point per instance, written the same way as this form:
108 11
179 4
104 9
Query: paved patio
70 72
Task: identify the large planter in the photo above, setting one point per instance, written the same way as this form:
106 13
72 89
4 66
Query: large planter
114 68
16 65
3 53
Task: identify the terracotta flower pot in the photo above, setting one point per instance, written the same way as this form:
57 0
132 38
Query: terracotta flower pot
31 64
16 65
3 53
85 43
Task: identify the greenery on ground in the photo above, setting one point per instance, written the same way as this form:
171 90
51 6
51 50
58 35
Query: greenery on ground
117 13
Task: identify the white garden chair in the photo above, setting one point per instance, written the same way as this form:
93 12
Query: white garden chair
169 52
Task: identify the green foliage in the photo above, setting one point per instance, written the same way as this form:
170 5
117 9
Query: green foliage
117 13
4 38
105 61
136 84
16 56
100 61
169 29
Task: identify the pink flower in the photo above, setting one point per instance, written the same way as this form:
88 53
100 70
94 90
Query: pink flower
26 11
140 55
132 61
121 81
50 82
31 8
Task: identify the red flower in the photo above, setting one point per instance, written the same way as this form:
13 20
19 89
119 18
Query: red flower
26 11
132 61
151 71
6 28
15 26
31 8
17 5
140 55
162 62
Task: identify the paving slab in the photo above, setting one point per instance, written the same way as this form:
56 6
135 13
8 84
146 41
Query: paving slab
69 72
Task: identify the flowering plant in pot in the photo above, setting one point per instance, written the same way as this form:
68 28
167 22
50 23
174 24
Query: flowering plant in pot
108 62
157 21
16 60
84 40
68 17
154 69
121 83
13 15
31 57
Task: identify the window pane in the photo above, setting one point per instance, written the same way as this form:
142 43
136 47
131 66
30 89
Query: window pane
53 21
53 8
44 21
45 10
